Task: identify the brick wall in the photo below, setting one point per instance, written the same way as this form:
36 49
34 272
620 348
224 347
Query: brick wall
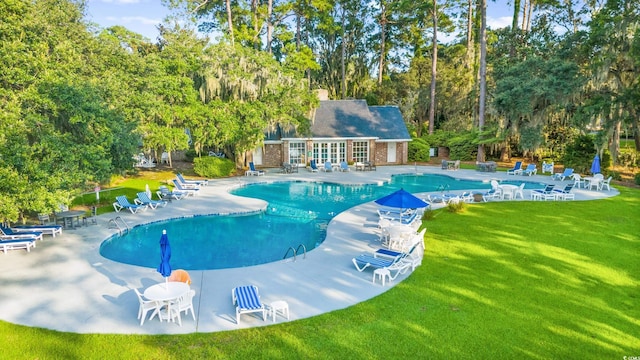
273 155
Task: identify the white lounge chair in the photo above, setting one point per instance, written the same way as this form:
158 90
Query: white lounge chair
164 193
565 194
494 193
516 170
467 196
546 194
382 258
568 172
364 261
530 170
123 203
191 182
16 244
143 199
247 300
52 230
8 234
313 166
252 171
182 189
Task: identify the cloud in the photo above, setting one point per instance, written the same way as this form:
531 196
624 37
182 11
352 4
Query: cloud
121 1
134 19
499 22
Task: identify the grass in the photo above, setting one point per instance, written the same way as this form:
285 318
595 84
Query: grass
502 280
129 186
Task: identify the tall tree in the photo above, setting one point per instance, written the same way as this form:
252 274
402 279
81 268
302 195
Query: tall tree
59 131
252 93
470 44
434 68
615 75
482 98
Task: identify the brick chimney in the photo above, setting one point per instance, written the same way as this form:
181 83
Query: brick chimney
322 94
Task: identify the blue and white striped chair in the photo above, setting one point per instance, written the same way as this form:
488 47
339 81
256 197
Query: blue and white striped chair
247 300
180 188
143 199
191 182
123 203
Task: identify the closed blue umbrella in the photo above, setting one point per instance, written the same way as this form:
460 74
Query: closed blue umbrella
165 255
595 165
402 199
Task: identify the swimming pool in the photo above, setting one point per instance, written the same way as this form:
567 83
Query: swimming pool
215 242
298 213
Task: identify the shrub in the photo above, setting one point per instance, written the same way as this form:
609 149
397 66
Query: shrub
628 158
428 215
463 146
456 207
579 154
213 167
615 175
637 179
418 150
190 155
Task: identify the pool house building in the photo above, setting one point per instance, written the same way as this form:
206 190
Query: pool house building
341 130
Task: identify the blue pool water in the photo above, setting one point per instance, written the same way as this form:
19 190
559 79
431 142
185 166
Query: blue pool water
298 213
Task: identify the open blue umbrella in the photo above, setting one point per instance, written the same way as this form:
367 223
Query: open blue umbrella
402 200
595 165
165 255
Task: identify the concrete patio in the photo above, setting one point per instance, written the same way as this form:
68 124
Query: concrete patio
66 285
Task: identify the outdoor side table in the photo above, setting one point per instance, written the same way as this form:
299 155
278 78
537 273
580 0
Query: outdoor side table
279 306
382 273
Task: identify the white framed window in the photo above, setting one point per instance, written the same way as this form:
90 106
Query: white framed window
332 151
360 151
297 153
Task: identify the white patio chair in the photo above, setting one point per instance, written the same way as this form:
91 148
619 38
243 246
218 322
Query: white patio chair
519 191
185 304
578 181
606 184
145 306
44 219
596 181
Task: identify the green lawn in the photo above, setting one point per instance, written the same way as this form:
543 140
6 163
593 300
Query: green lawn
503 280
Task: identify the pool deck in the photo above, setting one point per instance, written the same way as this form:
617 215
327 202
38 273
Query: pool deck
64 284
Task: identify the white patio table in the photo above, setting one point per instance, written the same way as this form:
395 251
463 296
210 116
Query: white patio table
164 293
508 190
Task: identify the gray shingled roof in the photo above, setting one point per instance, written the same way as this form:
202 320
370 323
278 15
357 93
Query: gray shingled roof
353 119
391 122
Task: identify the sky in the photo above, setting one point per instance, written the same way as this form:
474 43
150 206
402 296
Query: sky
142 16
